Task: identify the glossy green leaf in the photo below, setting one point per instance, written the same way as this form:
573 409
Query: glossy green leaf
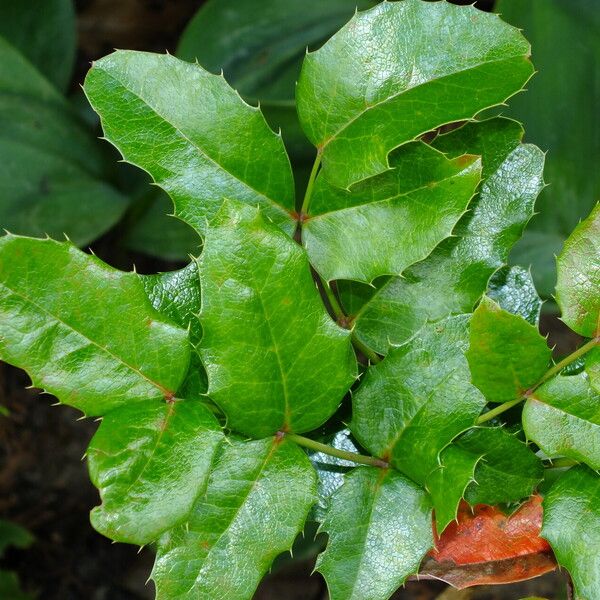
390 222
448 482
566 53
507 354
44 31
150 461
410 406
224 150
395 72
379 527
592 368
572 526
509 470
578 285
512 288
82 330
255 503
275 359
455 275
563 418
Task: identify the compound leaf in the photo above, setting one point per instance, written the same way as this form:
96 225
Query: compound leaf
275 359
150 461
395 72
355 235
83 331
224 150
379 527
507 355
255 503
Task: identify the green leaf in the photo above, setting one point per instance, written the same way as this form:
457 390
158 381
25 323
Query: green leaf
578 285
572 526
512 288
150 461
255 503
354 235
395 72
379 527
448 482
12 534
455 275
592 368
82 330
563 418
566 52
44 31
275 359
409 407
225 150
10 586
507 354
508 472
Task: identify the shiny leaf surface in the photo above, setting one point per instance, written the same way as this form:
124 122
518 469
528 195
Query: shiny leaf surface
512 288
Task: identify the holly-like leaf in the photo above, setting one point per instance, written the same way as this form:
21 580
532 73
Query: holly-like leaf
193 133
150 461
508 472
395 72
455 275
512 288
578 285
563 418
379 527
572 526
410 406
507 355
275 359
256 501
390 222
485 547
82 330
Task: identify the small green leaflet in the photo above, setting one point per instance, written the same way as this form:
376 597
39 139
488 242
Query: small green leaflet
275 359
224 150
255 503
150 461
572 526
379 527
82 330
410 406
395 72
563 418
390 222
507 355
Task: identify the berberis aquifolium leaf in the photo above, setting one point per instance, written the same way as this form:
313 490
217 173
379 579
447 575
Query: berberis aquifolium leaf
513 290
395 72
275 359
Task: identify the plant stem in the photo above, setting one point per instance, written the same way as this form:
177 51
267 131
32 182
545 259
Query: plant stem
331 451
557 368
370 354
333 301
560 463
310 185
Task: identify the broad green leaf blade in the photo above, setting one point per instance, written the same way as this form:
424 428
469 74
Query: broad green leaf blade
12 534
395 72
255 503
572 526
193 134
507 355
83 331
448 482
10 587
390 222
566 52
455 275
578 285
512 288
563 418
275 359
44 31
410 406
509 470
379 527
150 461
